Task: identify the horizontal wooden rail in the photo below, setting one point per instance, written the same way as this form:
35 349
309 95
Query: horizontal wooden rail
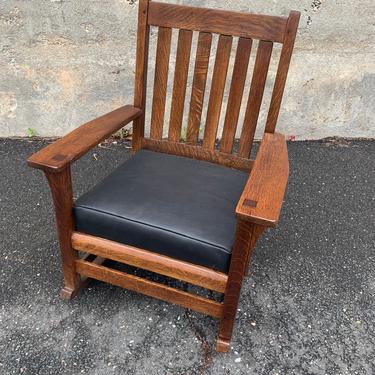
199 153
150 261
224 22
97 260
149 288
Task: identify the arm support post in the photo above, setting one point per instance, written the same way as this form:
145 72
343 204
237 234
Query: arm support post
61 189
246 236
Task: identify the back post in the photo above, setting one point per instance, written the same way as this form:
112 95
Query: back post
282 70
140 83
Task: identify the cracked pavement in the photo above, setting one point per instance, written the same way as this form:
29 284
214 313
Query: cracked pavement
308 306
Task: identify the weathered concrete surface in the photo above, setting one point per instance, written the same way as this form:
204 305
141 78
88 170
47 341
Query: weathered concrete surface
64 62
308 307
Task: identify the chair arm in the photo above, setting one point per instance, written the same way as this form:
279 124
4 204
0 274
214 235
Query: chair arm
56 156
264 191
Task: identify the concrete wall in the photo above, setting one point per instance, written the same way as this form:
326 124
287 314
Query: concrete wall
64 62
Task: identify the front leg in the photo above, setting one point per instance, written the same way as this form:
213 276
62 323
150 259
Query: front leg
246 236
62 194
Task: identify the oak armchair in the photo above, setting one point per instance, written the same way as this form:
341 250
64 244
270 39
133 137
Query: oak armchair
186 209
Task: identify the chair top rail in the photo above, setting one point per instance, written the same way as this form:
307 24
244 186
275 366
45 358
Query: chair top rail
247 25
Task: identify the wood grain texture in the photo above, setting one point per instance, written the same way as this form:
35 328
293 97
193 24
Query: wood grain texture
199 153
160 82
179 86
241 64
258 231
148 260
237 269
267 182
219 79
199 87
282 71
260 203
62 195
141 65
56 156
150 288
258 83
225 22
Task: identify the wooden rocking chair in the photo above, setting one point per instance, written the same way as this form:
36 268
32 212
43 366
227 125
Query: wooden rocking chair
189 210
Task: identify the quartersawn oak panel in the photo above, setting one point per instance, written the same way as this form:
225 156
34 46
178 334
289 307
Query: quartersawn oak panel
160 82
241 64
199 86
219 79
180 83
258 84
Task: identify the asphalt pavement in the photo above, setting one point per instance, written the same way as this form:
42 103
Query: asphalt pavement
308 306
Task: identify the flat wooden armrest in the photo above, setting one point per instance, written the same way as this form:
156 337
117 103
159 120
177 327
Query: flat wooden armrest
264 191
56 156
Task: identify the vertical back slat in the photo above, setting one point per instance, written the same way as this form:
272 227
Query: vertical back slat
179 86
199 86
241 65
140 83
258 83
160 82
282 71
219 78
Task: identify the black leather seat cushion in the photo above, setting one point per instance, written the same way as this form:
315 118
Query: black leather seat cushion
171 205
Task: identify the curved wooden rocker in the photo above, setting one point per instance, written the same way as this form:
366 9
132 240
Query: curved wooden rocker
206 234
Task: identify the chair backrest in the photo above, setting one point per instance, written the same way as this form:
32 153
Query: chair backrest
227 24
